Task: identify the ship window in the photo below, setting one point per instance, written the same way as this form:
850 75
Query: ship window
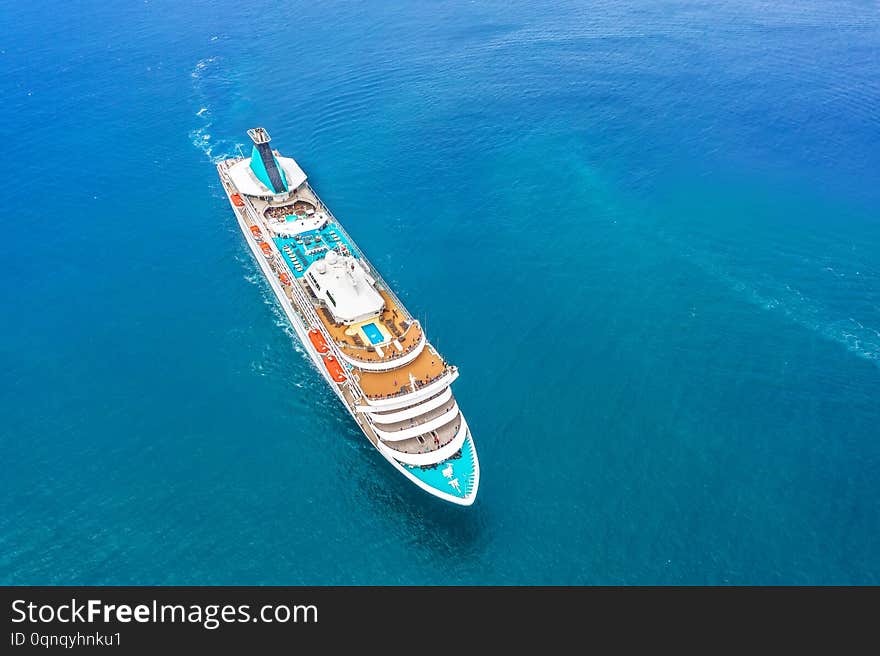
330 296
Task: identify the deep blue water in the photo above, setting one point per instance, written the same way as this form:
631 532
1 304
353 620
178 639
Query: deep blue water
648 233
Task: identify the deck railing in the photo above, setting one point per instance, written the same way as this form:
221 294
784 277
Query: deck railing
408 389
303 305
306 309
392 352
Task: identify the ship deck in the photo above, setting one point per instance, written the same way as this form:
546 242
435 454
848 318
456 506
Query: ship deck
405 331
461 468
305 248
411 423
427 367
430 441
301 250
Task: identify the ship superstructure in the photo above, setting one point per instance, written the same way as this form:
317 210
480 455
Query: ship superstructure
371 351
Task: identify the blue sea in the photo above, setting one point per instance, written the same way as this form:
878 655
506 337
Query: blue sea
648 233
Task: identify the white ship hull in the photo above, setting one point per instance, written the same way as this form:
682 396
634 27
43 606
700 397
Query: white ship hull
302 333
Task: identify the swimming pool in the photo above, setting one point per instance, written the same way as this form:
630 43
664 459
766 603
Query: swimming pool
373 333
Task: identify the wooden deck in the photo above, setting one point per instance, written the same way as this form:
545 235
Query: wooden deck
379 384
392 317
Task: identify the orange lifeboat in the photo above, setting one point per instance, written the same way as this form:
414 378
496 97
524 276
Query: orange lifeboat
237 201
266 250
255 231
335 369
284 278
318 341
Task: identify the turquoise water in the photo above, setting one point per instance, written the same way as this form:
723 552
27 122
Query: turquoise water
679 384
373 333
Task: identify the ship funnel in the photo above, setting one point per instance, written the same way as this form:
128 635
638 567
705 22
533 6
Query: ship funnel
264 164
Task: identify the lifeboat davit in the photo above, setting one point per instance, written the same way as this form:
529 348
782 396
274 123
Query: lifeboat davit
255 231
318 341
335 369
284 278
266 250
237 201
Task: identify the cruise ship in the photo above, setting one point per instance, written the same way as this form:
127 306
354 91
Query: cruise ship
372 352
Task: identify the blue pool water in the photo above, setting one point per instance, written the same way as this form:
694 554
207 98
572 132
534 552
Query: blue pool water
373 333
648 233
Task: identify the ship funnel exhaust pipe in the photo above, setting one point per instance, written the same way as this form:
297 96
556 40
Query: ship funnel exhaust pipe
263 162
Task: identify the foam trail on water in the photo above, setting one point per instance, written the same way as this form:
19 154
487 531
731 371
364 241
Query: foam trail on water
770 295
765 292
206 72
281 320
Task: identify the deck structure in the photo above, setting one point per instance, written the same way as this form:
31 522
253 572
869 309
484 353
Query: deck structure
373 353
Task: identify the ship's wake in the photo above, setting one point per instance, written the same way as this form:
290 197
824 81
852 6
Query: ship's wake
207 76
773 295
856 329
268 298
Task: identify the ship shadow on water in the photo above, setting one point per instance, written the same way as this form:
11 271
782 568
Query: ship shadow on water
441 529
443 533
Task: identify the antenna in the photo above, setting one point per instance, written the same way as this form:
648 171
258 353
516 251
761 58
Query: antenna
259 135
